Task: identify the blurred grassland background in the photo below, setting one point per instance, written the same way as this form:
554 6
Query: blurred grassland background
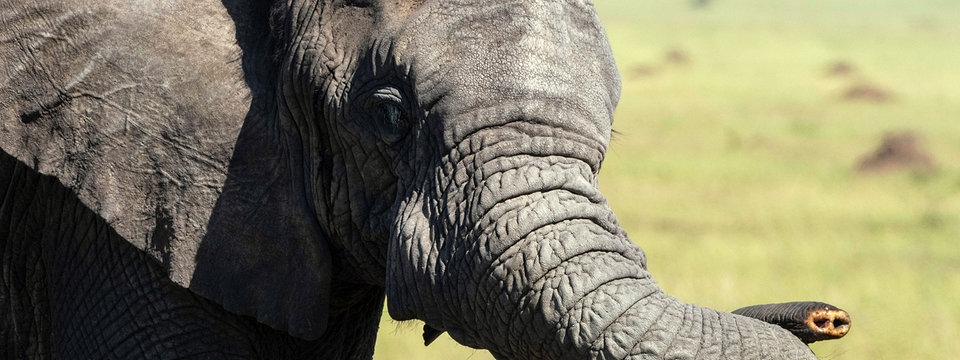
735 167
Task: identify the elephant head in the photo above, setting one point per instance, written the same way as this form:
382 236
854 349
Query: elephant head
272 156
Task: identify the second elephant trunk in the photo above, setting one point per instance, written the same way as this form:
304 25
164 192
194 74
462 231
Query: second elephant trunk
510 247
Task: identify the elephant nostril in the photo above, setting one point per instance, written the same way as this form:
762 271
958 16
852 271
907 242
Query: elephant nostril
830 323
842 322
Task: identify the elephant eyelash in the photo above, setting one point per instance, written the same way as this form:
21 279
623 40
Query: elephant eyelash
387 95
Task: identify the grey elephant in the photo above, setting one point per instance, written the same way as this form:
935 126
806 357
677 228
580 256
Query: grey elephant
251 179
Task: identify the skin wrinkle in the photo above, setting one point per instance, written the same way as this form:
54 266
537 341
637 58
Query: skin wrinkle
440 256
49 211
676 333
639 346
764 337
403 308
618 331
750 337
596 344
103 323
35 207
534 146
545 271
582 307
11 254
489 194
486 246
701 343
717 326
46 74
533 263
557 218
642 345
682 343
485 190
780 344
478 175
490 222
731 345
303 48
527 138
518 119
537 285
137 336
712 338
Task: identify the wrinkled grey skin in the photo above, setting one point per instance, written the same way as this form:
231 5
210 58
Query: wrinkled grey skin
244 179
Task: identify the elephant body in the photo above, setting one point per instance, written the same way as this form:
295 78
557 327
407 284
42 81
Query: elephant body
73 288
251 179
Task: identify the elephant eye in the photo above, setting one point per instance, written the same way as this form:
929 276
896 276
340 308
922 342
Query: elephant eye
388 105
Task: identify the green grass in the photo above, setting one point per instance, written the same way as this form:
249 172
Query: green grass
736 171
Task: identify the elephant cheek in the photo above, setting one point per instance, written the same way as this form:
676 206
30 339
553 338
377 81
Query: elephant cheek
411 265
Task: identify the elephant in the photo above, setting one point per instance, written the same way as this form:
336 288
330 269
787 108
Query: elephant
255 179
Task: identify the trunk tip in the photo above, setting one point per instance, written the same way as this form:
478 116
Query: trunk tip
827 323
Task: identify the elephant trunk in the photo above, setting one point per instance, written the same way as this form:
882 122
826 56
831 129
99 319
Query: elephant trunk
810 321
515 250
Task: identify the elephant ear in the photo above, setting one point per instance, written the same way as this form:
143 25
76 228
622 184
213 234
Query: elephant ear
160 118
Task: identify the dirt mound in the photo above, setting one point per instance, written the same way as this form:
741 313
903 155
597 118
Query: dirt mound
643 70
899 151
677 57
868 92
701 3
841 69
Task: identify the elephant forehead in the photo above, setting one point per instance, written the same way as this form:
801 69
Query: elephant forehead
473 55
